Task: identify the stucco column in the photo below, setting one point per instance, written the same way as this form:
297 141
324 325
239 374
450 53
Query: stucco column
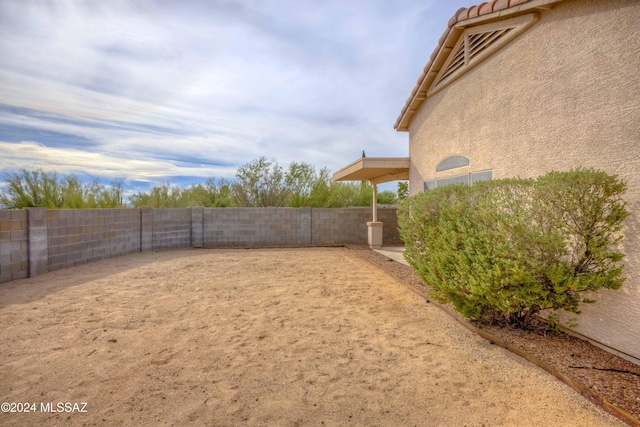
374 235
305 237
146 229
38 241
197 227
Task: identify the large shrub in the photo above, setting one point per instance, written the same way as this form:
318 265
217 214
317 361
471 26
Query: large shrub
504 251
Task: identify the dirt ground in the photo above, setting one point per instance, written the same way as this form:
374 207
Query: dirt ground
314 336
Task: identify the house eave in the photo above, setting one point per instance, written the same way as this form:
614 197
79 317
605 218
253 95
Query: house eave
463 19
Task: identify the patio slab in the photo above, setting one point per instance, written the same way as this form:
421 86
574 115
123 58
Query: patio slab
396 253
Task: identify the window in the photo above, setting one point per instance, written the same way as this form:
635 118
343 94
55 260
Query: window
481 176
460 179
468 178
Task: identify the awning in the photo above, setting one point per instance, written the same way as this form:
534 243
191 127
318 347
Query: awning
376 170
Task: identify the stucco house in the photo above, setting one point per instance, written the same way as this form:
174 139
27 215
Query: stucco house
523 87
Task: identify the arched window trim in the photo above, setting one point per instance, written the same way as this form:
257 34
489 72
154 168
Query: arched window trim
453 162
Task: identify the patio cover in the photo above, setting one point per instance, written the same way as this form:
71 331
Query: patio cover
376 170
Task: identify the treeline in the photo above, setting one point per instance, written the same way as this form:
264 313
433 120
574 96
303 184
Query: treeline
258 183
25 189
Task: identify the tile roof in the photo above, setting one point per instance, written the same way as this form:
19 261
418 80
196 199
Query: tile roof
489 10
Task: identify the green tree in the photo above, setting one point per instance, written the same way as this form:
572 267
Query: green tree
97 195
210 194
387 197
161 196
37 188
403 190
300 180
260 182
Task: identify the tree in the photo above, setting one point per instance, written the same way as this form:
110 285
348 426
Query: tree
31 189
96 195
207 195
264 183
38 188
260 182
300 181
161 196
210 194
387 197
403 190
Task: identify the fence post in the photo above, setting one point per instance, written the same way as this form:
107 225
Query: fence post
38 241
146 229
197 227
305 227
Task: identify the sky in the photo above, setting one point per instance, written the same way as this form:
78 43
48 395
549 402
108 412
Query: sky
168 91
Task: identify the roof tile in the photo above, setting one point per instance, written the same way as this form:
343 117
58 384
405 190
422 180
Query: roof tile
500 4
486 8
517 2
473 12
463 15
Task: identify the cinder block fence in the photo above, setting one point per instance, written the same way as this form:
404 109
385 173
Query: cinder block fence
36 240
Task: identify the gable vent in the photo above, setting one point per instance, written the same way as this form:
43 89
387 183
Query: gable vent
477 43
456 63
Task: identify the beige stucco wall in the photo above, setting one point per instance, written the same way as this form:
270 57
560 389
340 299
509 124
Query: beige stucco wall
565 93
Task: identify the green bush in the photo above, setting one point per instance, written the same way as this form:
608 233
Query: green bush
505 251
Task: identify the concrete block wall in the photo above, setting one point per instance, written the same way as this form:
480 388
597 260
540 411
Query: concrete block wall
332 226
344 225
171 228
250 227
14 245
78 236
36 240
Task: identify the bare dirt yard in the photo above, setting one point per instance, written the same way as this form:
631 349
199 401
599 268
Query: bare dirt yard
315 336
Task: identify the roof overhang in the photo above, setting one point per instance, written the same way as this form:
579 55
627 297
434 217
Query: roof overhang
484 13
376 170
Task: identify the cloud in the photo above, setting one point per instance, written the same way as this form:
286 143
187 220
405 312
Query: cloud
69 161
140 89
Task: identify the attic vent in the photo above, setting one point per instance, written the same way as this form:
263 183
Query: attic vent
456 63
477 43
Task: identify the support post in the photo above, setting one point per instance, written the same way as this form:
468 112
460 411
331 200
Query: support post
374 228
375 202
